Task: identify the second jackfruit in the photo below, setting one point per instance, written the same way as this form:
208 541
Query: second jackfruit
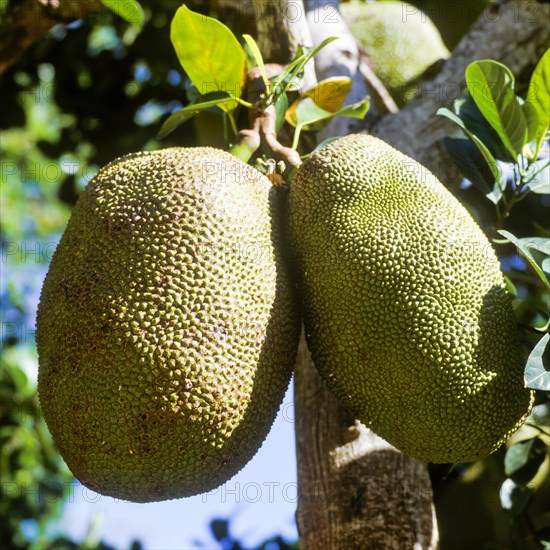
401 41
406 310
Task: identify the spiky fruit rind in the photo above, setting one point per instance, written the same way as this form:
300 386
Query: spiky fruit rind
406 310
167 327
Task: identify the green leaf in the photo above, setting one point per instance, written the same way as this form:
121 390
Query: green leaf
355 110
523 459
511 286
129 10
281 105
308 112
308 115
491 85
472 165
535 250
537 374
295 68
251 43
538 95
465 107
329 94
539 178
286 79
531 119
487 155
209 53
215 99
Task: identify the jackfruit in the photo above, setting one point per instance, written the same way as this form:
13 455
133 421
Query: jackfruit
167 325
401 41
453 18
406 311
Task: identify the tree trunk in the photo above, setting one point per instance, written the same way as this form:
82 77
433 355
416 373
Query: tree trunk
355 491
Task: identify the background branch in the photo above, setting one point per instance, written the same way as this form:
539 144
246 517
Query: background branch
26 22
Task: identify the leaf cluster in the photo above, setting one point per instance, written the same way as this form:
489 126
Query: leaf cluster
218 66
502 154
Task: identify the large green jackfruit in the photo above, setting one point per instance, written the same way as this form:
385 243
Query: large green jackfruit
406 310
167 327
401 41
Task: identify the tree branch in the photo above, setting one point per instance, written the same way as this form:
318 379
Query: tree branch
28 21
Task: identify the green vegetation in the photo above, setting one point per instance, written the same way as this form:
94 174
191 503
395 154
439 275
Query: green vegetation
167 326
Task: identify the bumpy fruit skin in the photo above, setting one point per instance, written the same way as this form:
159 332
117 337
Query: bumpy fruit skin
167 325
405 308
401 41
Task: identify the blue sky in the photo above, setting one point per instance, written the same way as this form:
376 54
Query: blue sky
260 501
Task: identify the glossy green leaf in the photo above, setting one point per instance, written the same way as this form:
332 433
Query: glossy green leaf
209 53
538 95
523 459
537 370
295 68
511 286
287 79
129 10
472 165
465 107
257 55
308 115
531 119
534 250
308 112
355 110
215 99
539 180
491 85
487 155
329 94
281 105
